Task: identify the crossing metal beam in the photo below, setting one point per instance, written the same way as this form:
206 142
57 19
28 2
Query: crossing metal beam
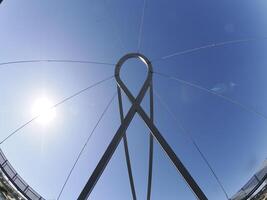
136 108
126 149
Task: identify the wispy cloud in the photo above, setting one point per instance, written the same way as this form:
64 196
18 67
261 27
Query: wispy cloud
222 88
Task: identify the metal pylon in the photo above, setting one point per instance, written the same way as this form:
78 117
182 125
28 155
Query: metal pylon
136 108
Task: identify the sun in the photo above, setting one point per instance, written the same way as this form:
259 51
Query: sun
43 107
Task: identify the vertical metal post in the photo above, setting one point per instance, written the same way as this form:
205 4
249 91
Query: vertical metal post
125 143
151 144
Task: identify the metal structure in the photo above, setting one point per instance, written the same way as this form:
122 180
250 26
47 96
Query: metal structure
246 191
16 180
136 108
252 185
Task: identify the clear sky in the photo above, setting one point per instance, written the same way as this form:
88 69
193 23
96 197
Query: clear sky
233 139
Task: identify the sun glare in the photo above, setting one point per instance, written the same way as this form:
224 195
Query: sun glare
42 107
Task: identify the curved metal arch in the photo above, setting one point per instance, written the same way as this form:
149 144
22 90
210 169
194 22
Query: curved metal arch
146 61
128 56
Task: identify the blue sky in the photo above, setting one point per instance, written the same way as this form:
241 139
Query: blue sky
233 140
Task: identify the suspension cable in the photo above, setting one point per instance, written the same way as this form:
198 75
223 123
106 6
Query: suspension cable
141 27
85 144
228 99
186 132
55 61
56 105
219 44
114 26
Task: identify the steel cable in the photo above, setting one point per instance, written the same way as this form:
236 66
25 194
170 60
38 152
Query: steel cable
54 106
85 144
